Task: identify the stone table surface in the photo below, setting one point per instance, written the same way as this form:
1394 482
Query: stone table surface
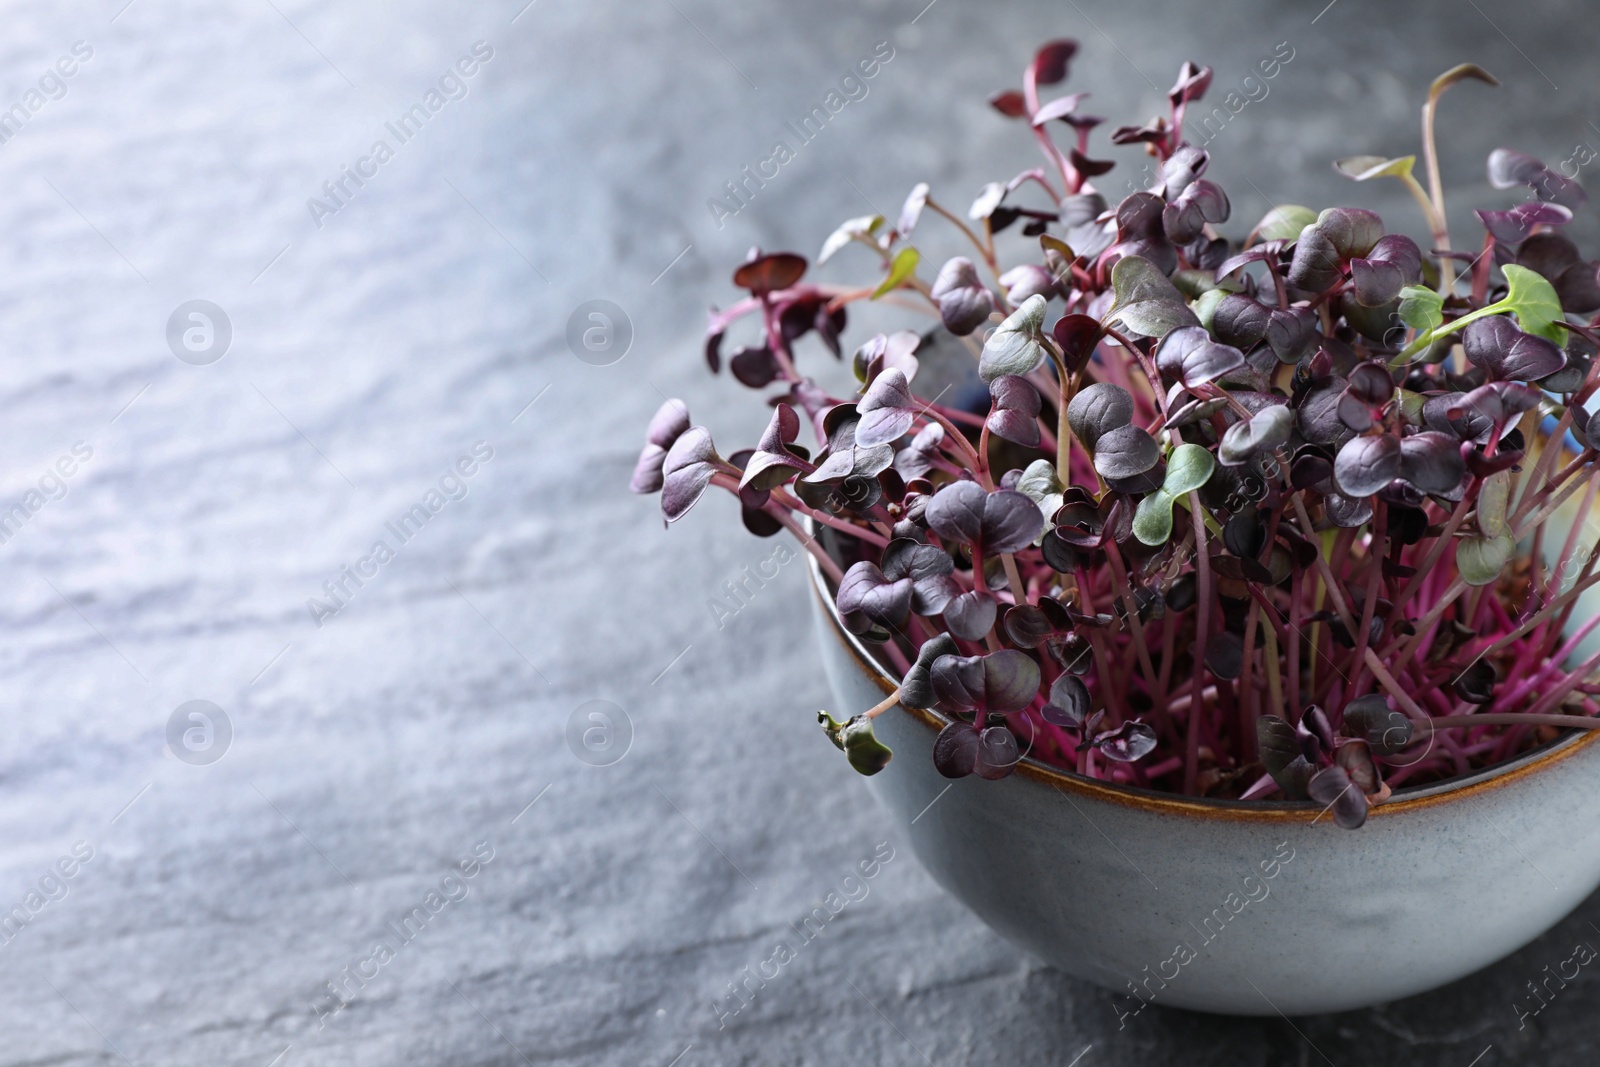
397 756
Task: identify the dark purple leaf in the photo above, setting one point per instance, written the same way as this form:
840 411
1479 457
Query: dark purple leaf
1182 168
1069 702
1240 320
928 568
1496 345
1510 227
1050 61
1129 742
1366 464
955 512
1225 654
1370 719
1184 219
774 462
769 273
1431 461
1125 452
1509 168
971 615
755 367
1010 103
1190 355
887 410
964 302
1394 262
1016 410
1331 787
1098 409
1191 85
866 591
1476 684
1077 335
916 688
997 754
955 750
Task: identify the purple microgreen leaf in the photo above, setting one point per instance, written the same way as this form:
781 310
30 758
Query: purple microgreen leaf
971 615
1129 742
916 688
964 302
1431 461
1098 409
1496 345
1385 730
1017 345
1265 431
887 410
1077 335
1225 654
1010 103
770 273
1010 679
1028 280
1512 226
1050 61
1509 168
1476 684
1016 410
670 422
1069 702
1332 788
754 367
866 591
1367 464
997 754
1146 302
955 750
929 570
1189 355
1125 452
1184 218
686 471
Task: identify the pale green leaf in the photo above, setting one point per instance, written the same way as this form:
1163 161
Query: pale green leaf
1421 308
1205 308
1152 520
903 266
1493 497
1364 168
1040 485
1535 302
1480 559
1284 222
1188 468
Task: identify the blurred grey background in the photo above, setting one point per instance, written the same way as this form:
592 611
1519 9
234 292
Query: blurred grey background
360 758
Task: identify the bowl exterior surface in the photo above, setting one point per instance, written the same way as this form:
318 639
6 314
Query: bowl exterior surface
1249 909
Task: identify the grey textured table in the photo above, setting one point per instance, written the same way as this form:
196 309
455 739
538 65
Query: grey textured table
376 741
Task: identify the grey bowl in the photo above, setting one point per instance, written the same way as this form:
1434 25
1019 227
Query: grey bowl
1253 908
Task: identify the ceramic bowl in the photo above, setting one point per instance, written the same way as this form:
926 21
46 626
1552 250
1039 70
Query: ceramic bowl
1252 908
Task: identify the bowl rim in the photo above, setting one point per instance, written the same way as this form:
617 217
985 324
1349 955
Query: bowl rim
1070 783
